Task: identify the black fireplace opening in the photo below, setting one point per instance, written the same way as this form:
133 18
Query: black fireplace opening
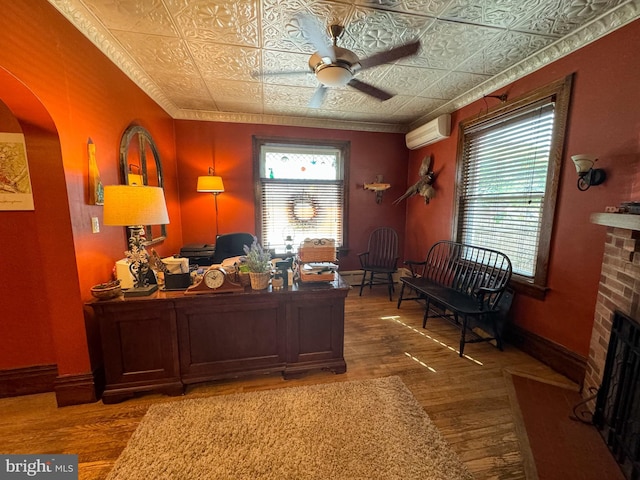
617 411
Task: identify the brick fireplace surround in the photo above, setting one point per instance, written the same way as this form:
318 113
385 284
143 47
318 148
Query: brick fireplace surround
619 287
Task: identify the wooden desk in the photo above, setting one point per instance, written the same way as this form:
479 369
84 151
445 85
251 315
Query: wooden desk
162 342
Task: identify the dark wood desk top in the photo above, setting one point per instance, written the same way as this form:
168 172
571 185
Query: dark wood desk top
338 287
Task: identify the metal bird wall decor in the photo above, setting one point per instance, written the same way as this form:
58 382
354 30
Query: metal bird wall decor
424 185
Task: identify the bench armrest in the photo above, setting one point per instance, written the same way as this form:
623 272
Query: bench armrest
412 264
482 291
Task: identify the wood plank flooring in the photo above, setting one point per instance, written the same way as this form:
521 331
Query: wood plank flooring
466 398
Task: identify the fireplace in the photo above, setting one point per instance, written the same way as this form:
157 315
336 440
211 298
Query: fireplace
617 412
613 365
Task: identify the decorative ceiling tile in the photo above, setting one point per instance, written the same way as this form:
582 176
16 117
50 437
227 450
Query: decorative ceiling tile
275 95
432 8
229 62
408 80
222 21
278 62
158 54
493 13
413 106
183 85
452 83
372 31
448 44
561 17
200 59
508 48
228 90
134 16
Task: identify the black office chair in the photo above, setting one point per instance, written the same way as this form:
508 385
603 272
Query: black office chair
380 260
231 245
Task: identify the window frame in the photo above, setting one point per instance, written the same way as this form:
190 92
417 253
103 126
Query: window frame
343 146
560 92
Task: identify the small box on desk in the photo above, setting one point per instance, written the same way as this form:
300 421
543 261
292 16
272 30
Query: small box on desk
177 281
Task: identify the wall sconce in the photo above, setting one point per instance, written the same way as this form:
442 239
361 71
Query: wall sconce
211 184
587 175
135 206
377 187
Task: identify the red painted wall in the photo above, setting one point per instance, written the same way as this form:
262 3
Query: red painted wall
72 92
604 120
198 143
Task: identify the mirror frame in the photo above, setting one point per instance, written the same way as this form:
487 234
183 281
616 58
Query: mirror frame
145 142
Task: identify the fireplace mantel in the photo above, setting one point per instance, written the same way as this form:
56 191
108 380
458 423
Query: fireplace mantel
618 220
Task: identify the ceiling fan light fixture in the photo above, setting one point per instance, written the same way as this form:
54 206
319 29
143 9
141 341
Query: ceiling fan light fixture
334 75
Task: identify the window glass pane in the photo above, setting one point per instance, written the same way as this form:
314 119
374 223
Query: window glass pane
504 181
300 164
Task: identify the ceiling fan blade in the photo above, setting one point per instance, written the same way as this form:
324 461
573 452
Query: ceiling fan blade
370 89
392 55
279 72
318 97
317 38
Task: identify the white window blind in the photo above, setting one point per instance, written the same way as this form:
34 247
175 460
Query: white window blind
305 209
504 182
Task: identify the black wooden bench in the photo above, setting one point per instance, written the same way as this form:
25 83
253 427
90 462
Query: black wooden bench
467 281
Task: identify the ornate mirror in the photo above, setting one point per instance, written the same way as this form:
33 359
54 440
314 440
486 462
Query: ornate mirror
140 165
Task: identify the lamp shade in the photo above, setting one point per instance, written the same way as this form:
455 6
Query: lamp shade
583 163
210 184
131 205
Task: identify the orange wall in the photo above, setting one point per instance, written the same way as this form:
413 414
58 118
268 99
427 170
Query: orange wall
71 85
198 143
604 120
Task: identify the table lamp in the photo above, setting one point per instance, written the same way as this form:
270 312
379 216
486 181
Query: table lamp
134 207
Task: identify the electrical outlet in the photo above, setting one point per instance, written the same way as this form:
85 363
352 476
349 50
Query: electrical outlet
95 225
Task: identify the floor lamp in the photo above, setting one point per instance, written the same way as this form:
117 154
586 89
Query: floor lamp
134 207
211 184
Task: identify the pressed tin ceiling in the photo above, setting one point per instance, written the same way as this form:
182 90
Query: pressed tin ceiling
195 58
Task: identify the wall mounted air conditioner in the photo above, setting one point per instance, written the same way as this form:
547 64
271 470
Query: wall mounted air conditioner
430 132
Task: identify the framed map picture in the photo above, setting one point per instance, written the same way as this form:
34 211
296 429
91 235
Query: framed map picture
15 184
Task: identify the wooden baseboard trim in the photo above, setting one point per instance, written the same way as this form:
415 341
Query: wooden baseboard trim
27 380
75 389
562 360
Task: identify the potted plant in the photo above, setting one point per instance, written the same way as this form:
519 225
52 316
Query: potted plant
258 262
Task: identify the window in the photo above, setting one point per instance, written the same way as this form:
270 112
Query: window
301 191
509 167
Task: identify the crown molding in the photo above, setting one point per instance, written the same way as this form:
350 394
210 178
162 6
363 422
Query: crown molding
288 120
598 28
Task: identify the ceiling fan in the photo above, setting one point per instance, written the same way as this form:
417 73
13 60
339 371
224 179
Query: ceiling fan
334 66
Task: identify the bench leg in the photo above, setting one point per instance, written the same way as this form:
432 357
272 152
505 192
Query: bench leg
426 313
463 334
401 293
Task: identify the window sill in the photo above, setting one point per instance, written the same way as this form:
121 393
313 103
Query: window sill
524 287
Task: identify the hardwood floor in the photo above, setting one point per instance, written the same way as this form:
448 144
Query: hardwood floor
466 398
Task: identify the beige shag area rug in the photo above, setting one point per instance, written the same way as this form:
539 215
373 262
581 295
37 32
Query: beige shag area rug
371 429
